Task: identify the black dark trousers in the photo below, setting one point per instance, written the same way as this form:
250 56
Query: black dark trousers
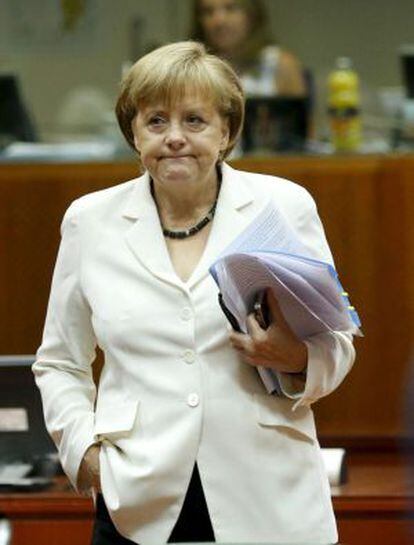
192 525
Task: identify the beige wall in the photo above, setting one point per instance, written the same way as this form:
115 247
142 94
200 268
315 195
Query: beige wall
47 74
317 30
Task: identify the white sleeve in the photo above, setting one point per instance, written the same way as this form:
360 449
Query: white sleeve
330 355
62 369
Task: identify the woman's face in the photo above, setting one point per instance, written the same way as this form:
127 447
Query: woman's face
225 24
182 142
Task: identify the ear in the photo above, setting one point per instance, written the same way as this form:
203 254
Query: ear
136 144
225 135
134 132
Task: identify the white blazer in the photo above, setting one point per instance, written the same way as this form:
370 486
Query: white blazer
172 390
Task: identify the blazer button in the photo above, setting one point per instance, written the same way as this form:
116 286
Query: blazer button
193 400
186 314
189 356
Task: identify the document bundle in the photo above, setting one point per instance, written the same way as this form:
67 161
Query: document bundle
268 254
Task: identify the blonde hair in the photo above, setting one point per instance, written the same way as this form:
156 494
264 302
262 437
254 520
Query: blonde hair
168 73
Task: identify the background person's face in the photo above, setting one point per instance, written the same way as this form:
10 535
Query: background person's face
225 24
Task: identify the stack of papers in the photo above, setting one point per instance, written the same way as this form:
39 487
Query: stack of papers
268 254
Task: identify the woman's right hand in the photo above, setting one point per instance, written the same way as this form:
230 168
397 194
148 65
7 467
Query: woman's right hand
89 471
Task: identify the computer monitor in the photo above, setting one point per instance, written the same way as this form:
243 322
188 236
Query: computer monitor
23 434
407 65
275 124
15 122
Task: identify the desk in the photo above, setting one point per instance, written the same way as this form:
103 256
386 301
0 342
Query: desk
367 206
376 507
54 517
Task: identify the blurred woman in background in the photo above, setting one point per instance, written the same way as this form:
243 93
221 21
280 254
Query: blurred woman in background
238 31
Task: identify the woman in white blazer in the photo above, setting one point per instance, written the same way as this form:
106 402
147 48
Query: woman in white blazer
179 440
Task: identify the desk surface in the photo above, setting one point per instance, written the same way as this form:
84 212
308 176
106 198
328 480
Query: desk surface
376 507
375 481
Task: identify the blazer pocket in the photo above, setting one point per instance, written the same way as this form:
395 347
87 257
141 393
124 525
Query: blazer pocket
276 412
115 421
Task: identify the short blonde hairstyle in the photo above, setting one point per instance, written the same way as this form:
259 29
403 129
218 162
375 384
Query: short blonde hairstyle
166 74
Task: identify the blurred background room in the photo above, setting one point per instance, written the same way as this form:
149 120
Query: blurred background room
344 129
68 56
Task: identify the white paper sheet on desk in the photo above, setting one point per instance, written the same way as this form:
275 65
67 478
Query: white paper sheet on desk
308 291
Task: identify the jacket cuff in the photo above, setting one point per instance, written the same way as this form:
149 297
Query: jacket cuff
330 356
292 384
74 444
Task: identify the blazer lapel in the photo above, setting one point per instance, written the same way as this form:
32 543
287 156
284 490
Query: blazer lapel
233 214
144 238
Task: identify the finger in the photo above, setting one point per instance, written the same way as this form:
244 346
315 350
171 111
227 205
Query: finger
253 326
245 346
251 361
238 337
238 341
277 315
239 346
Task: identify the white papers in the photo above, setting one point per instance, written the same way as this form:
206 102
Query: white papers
269 254
307 290
268 232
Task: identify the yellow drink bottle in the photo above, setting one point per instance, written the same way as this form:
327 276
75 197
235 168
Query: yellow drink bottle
344 106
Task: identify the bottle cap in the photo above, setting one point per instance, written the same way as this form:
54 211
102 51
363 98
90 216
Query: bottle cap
344 63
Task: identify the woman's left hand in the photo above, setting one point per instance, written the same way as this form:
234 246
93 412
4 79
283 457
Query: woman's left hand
276 347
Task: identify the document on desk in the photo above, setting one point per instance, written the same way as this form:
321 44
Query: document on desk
12 472
268 254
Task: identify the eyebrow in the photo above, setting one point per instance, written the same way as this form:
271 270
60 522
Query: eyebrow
199 108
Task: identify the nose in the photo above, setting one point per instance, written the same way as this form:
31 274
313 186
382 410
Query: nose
218 16
175 137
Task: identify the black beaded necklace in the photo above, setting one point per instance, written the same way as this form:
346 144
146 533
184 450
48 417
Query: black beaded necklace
191 231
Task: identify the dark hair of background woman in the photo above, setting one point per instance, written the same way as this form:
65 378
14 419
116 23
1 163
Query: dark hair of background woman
259 36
